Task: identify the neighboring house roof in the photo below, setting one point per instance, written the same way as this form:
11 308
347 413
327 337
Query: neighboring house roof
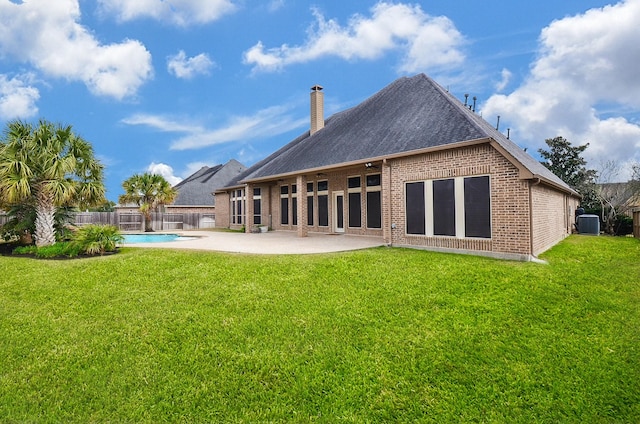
197 189
410 114
625 195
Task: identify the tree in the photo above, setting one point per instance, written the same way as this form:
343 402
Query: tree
147 191
616 198
22 222
106 206
49 167
566 162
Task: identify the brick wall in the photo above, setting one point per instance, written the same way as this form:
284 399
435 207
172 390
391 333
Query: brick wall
248 208
552 216
223 213
509 198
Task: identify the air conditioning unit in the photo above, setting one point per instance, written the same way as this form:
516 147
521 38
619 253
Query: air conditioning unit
588 224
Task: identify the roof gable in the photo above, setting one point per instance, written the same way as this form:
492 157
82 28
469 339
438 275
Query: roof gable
201 175
197 189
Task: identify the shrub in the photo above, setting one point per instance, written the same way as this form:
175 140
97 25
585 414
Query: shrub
25 250
623 225
22 223
96 239
58 250
88 240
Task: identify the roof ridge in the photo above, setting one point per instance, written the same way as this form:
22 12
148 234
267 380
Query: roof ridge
211 172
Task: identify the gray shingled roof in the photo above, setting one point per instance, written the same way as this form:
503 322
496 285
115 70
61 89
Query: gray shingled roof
197 189
411 113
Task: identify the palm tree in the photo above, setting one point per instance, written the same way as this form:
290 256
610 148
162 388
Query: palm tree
147 191
49 166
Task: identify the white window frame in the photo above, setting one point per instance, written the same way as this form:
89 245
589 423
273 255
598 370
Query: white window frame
237 217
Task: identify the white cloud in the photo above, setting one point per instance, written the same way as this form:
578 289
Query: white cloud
164 170
275 5
48 36
584 62
264 123
428 42
17 98
176 12
505 78
161 123
183 67
267 122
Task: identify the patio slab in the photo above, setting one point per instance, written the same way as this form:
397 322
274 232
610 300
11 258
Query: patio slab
272 242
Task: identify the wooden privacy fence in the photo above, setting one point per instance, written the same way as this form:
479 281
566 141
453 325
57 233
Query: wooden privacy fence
129 221
636 222
134 221
160 221
85 218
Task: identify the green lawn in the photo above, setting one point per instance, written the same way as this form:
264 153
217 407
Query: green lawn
381 335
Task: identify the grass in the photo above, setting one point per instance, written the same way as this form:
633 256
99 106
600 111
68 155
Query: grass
380 335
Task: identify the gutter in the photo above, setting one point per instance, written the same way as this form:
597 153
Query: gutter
555 185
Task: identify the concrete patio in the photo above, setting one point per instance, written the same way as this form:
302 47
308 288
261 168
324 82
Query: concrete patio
272 242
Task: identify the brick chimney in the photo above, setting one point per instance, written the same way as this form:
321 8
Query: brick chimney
317 108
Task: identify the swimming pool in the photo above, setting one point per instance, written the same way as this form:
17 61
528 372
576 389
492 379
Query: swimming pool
154 238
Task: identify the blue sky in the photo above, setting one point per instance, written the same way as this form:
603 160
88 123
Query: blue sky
171 85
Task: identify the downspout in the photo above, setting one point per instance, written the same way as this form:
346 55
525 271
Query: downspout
535 183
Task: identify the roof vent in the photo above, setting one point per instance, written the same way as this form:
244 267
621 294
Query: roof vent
317 108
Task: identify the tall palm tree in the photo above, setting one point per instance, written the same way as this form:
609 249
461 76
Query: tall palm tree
147 191
50 166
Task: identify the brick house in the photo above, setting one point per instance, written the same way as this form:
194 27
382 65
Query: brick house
413 166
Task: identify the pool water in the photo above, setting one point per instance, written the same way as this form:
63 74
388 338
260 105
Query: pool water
154 238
